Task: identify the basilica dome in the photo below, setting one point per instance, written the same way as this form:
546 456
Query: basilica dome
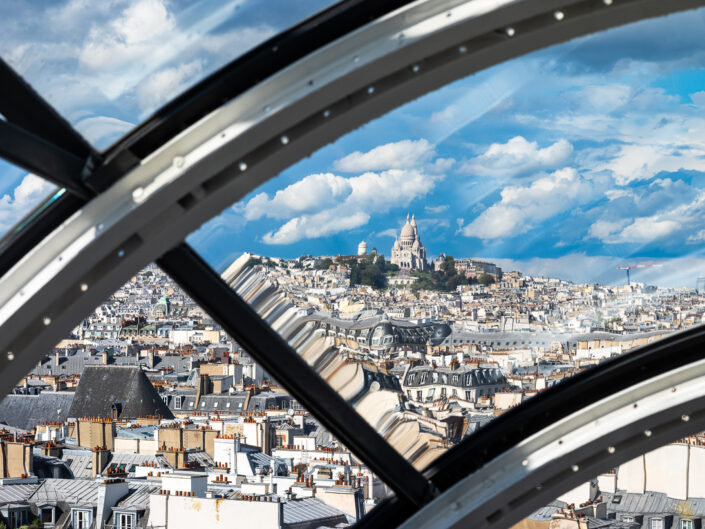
407 232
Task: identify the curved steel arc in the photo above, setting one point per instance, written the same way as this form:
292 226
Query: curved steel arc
228 153
573 450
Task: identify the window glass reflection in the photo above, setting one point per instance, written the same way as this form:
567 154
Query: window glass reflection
149 399
455 257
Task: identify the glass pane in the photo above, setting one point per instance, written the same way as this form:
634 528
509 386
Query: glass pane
107 66
20 193
456 256
150 388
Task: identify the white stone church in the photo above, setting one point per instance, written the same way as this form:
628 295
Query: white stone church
408 252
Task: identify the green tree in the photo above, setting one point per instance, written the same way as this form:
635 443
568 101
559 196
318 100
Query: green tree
253 261
325 263
485 279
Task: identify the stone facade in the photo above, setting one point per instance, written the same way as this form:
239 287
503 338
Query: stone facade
408 252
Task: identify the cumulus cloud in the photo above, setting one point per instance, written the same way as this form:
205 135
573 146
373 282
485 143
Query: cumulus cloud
348 204
405 154
313 193
644 160
321 224
518 156
665 210
137 31
522 207
28 194
646 229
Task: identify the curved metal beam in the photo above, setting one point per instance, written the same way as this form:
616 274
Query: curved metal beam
572 451
237 147
234 149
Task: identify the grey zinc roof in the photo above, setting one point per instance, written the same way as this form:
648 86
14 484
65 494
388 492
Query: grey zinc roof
17 492
79 491
102 386
654 503
309 509
219 402
79 463
24 411
138 496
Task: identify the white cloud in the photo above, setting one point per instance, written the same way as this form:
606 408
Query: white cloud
666 210
645 229
28 194
140 28
698 98
641 161
321 224
369 193
405 154
436 209
604 229
518 156
313 193
606 98
389 232
165 84
522 207
696 237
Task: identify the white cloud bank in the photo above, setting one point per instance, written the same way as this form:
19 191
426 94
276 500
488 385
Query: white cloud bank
318 205
405 154
522 207
28 194
369 193
518 156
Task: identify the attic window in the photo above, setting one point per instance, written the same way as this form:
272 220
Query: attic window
617 498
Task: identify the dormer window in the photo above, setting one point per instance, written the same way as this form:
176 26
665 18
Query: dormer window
126 521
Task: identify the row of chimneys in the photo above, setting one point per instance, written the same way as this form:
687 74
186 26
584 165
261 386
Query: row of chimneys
176 493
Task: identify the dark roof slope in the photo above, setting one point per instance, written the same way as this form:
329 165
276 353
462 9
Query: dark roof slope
127 388
24 411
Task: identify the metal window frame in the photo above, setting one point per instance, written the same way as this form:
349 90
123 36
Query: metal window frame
218 159
19 102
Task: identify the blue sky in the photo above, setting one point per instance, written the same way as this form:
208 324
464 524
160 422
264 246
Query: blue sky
566 162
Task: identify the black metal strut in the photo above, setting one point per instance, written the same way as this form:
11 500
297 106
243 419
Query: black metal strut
276 356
